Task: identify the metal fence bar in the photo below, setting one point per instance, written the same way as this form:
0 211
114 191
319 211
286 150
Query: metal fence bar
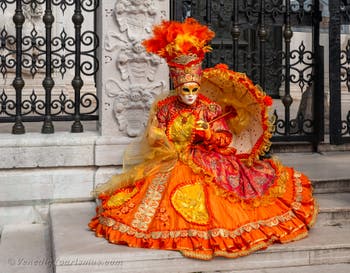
18 82
208 19
339 72
48 82
262 33
318 83
287 100
77 82
235 33
334 72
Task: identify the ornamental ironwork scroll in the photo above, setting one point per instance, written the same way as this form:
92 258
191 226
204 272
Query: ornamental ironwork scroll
44 45
256 38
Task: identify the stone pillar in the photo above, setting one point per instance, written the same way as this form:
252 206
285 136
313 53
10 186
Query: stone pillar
129 79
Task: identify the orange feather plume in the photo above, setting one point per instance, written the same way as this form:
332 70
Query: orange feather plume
172 39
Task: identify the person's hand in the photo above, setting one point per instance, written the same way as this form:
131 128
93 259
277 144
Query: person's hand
203 129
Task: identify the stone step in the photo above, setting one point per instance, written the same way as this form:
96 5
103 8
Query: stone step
334 209
329 172
306 147
22 215
39 179
25 248
333 185
77 249
328 268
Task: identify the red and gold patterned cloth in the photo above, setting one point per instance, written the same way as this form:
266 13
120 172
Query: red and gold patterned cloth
198 197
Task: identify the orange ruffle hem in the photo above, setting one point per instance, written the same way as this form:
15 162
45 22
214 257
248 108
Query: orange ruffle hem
179 210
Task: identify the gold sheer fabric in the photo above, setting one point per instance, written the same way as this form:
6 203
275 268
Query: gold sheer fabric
151 153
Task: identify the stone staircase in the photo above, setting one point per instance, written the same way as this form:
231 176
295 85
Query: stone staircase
75 249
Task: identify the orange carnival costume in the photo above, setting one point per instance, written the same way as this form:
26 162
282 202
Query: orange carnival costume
196 183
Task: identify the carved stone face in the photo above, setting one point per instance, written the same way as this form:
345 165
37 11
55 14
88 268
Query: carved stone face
188 92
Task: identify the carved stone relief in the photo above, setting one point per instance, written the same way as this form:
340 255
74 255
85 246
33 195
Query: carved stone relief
136 87
135 17
132 104
135 64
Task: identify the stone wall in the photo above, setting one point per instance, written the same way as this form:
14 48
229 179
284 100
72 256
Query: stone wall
37 169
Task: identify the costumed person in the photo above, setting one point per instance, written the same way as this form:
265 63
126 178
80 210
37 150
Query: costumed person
196 183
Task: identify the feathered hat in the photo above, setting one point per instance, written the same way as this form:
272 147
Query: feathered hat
183 46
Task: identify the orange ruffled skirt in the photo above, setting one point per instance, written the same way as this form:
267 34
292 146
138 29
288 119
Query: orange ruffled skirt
179 210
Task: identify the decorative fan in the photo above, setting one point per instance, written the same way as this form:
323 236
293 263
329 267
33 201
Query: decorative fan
245 110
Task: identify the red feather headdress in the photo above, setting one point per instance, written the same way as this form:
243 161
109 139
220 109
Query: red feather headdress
180 44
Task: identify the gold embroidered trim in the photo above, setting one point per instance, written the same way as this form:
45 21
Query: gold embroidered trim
109 222
299 237
315 213
218 232
196 255
185 59
203 256
150 202
296 205
243 252
163 216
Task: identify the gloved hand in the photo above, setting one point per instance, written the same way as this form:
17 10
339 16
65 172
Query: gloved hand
203 129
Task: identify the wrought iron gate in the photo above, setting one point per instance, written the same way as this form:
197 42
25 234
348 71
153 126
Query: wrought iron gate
257 37
339 71
42 44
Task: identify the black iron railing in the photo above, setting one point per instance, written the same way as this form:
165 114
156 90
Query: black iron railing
339 71
255 37
37 52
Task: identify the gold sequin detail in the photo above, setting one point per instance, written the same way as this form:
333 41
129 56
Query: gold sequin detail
213 108
121 197
189 201
181 130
